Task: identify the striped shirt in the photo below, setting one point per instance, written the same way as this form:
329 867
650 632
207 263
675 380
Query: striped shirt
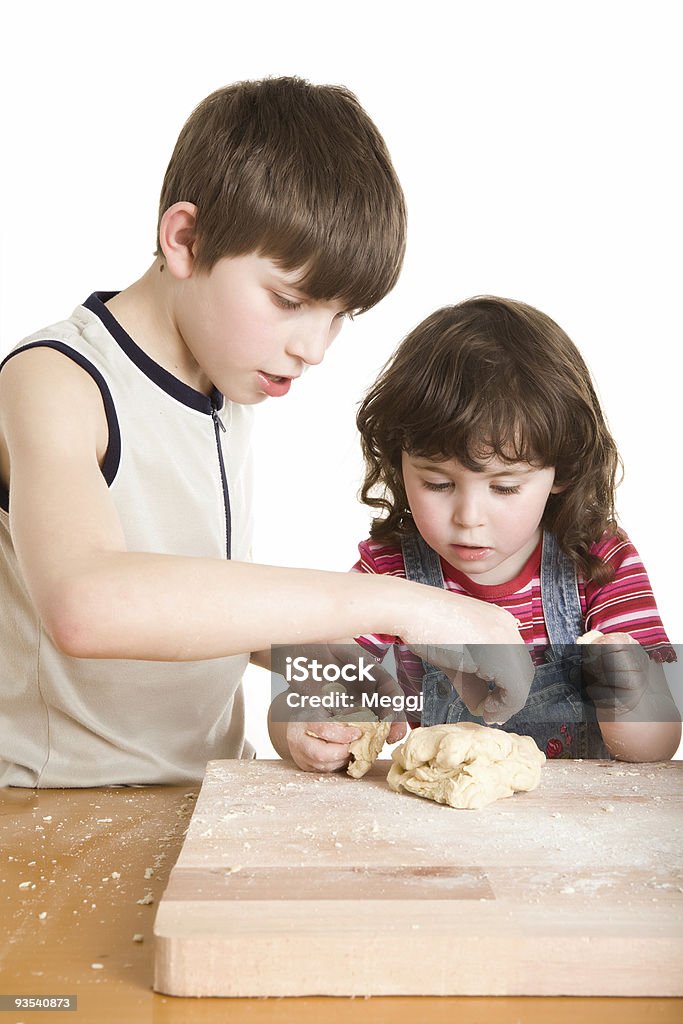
625 605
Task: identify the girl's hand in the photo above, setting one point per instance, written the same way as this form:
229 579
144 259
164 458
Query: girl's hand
617 670
321 746
637 715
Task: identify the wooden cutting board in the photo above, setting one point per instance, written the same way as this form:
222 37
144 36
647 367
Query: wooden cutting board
291 884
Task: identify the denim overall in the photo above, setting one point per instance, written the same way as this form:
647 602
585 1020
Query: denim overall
555 715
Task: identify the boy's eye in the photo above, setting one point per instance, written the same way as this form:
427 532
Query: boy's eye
502 489
285 303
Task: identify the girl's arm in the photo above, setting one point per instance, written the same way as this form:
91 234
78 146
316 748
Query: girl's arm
637 715
641 741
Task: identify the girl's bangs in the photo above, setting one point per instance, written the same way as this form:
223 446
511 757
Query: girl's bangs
476 435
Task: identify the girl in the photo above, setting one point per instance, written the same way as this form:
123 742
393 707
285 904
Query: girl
489 459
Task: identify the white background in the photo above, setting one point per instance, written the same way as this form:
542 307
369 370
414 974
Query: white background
539 147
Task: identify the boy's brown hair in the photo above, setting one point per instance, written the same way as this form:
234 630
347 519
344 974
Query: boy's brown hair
493 377
298 173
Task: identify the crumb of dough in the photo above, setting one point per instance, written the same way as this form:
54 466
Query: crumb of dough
590 637
366 749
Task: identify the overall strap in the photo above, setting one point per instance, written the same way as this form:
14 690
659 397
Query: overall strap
560 597
422 564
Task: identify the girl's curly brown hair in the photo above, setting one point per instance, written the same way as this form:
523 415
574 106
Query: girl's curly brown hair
493 377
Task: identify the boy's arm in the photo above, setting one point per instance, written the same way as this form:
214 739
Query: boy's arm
97 599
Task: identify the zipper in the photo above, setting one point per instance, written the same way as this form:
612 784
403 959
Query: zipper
219 426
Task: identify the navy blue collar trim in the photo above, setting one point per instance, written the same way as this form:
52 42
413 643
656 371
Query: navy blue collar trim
162 378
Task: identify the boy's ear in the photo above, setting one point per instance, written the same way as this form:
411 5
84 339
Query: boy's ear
177 237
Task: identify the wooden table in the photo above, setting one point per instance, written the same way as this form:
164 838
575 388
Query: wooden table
97 862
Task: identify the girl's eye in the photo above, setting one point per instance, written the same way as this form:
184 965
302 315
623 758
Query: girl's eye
501 489
437 487
285 303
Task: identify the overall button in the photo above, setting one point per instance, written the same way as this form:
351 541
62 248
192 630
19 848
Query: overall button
444 688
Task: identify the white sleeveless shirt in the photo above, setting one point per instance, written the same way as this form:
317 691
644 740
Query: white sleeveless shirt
179 472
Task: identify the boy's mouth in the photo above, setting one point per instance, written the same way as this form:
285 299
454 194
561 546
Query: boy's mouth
272 385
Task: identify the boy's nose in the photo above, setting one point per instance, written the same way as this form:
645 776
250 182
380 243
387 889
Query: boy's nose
311 340
311 349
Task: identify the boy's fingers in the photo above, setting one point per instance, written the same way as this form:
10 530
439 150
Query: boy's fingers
474 691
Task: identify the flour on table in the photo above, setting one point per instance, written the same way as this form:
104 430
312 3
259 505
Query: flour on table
465 764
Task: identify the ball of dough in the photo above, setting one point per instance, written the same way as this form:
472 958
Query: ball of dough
465 765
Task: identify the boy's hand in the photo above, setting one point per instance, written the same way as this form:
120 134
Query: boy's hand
492 679
617 670
494 654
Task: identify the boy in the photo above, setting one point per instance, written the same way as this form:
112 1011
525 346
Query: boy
129 606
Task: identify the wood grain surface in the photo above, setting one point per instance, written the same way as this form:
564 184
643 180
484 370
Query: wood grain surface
296 884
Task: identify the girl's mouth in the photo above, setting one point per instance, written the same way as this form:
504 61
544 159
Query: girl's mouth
469 553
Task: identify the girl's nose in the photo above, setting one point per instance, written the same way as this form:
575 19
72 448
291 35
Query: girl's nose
467 512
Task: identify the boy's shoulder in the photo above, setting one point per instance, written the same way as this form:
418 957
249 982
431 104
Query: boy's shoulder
69 333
